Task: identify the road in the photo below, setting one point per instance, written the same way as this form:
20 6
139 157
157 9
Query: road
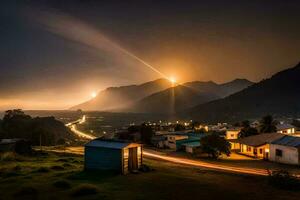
73 127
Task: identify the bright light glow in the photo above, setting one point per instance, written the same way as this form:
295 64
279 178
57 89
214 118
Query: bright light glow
93 94
172 79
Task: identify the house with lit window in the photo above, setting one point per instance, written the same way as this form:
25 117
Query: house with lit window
286 150
258 146
287 129
232 136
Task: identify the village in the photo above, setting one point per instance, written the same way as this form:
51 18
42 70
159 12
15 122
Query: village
280 144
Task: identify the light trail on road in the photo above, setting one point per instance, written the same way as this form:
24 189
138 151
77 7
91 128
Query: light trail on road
72 126
197 163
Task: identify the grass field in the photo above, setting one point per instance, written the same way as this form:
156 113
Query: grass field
61 176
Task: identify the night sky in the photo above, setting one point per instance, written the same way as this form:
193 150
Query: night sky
55 53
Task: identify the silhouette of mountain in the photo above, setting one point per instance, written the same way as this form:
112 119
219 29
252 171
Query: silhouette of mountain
278 95
185 96
115 98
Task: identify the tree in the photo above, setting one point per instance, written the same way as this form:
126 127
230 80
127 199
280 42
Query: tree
247 130
179 127
146 133
296 122
214 145
267 124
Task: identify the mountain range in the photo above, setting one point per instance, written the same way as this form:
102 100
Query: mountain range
278 95
187 95
206 101
160 96
116 98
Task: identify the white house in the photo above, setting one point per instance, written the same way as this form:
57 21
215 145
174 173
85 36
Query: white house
286 150
286 129
171 140
232 135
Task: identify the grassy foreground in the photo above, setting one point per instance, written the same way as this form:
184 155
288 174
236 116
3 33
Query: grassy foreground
61 176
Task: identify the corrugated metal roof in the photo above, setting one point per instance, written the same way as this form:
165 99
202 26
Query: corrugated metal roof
260 139
192 144
107 144
284 126
288 141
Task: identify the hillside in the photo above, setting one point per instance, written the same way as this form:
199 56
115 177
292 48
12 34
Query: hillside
185 96
16 124
278 95
171 100
119 97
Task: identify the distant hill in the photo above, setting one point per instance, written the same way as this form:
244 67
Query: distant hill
16 124
278 95
115 98
185 96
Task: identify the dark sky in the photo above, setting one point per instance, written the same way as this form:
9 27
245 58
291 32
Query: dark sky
54 53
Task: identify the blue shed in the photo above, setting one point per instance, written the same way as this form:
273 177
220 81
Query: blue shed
119 156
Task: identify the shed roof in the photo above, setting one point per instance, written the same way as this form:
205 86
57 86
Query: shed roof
280 127
260 139
111 144
287 140
192 144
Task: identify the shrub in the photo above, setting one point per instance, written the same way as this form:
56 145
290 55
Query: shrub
67 165
17 168
57 167
63 184
145 168
27 191
43 170
11 156
8 156
283 180
85 189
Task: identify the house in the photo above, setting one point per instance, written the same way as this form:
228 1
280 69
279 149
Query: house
286 150
172 140
17 145
258 145
190 147
232 135
159 141
286 129
114 155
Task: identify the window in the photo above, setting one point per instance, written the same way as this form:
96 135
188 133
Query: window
260 151
232 135
248 148
278 152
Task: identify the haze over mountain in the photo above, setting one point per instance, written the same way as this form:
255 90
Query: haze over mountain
114 98
160 97
278 95
185 96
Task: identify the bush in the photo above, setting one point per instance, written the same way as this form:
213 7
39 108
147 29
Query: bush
57 167
8 156
85 189
43 170
145 168
11 156
283 179
63 184
27 191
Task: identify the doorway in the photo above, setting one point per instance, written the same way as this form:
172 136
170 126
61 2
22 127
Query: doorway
133 159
